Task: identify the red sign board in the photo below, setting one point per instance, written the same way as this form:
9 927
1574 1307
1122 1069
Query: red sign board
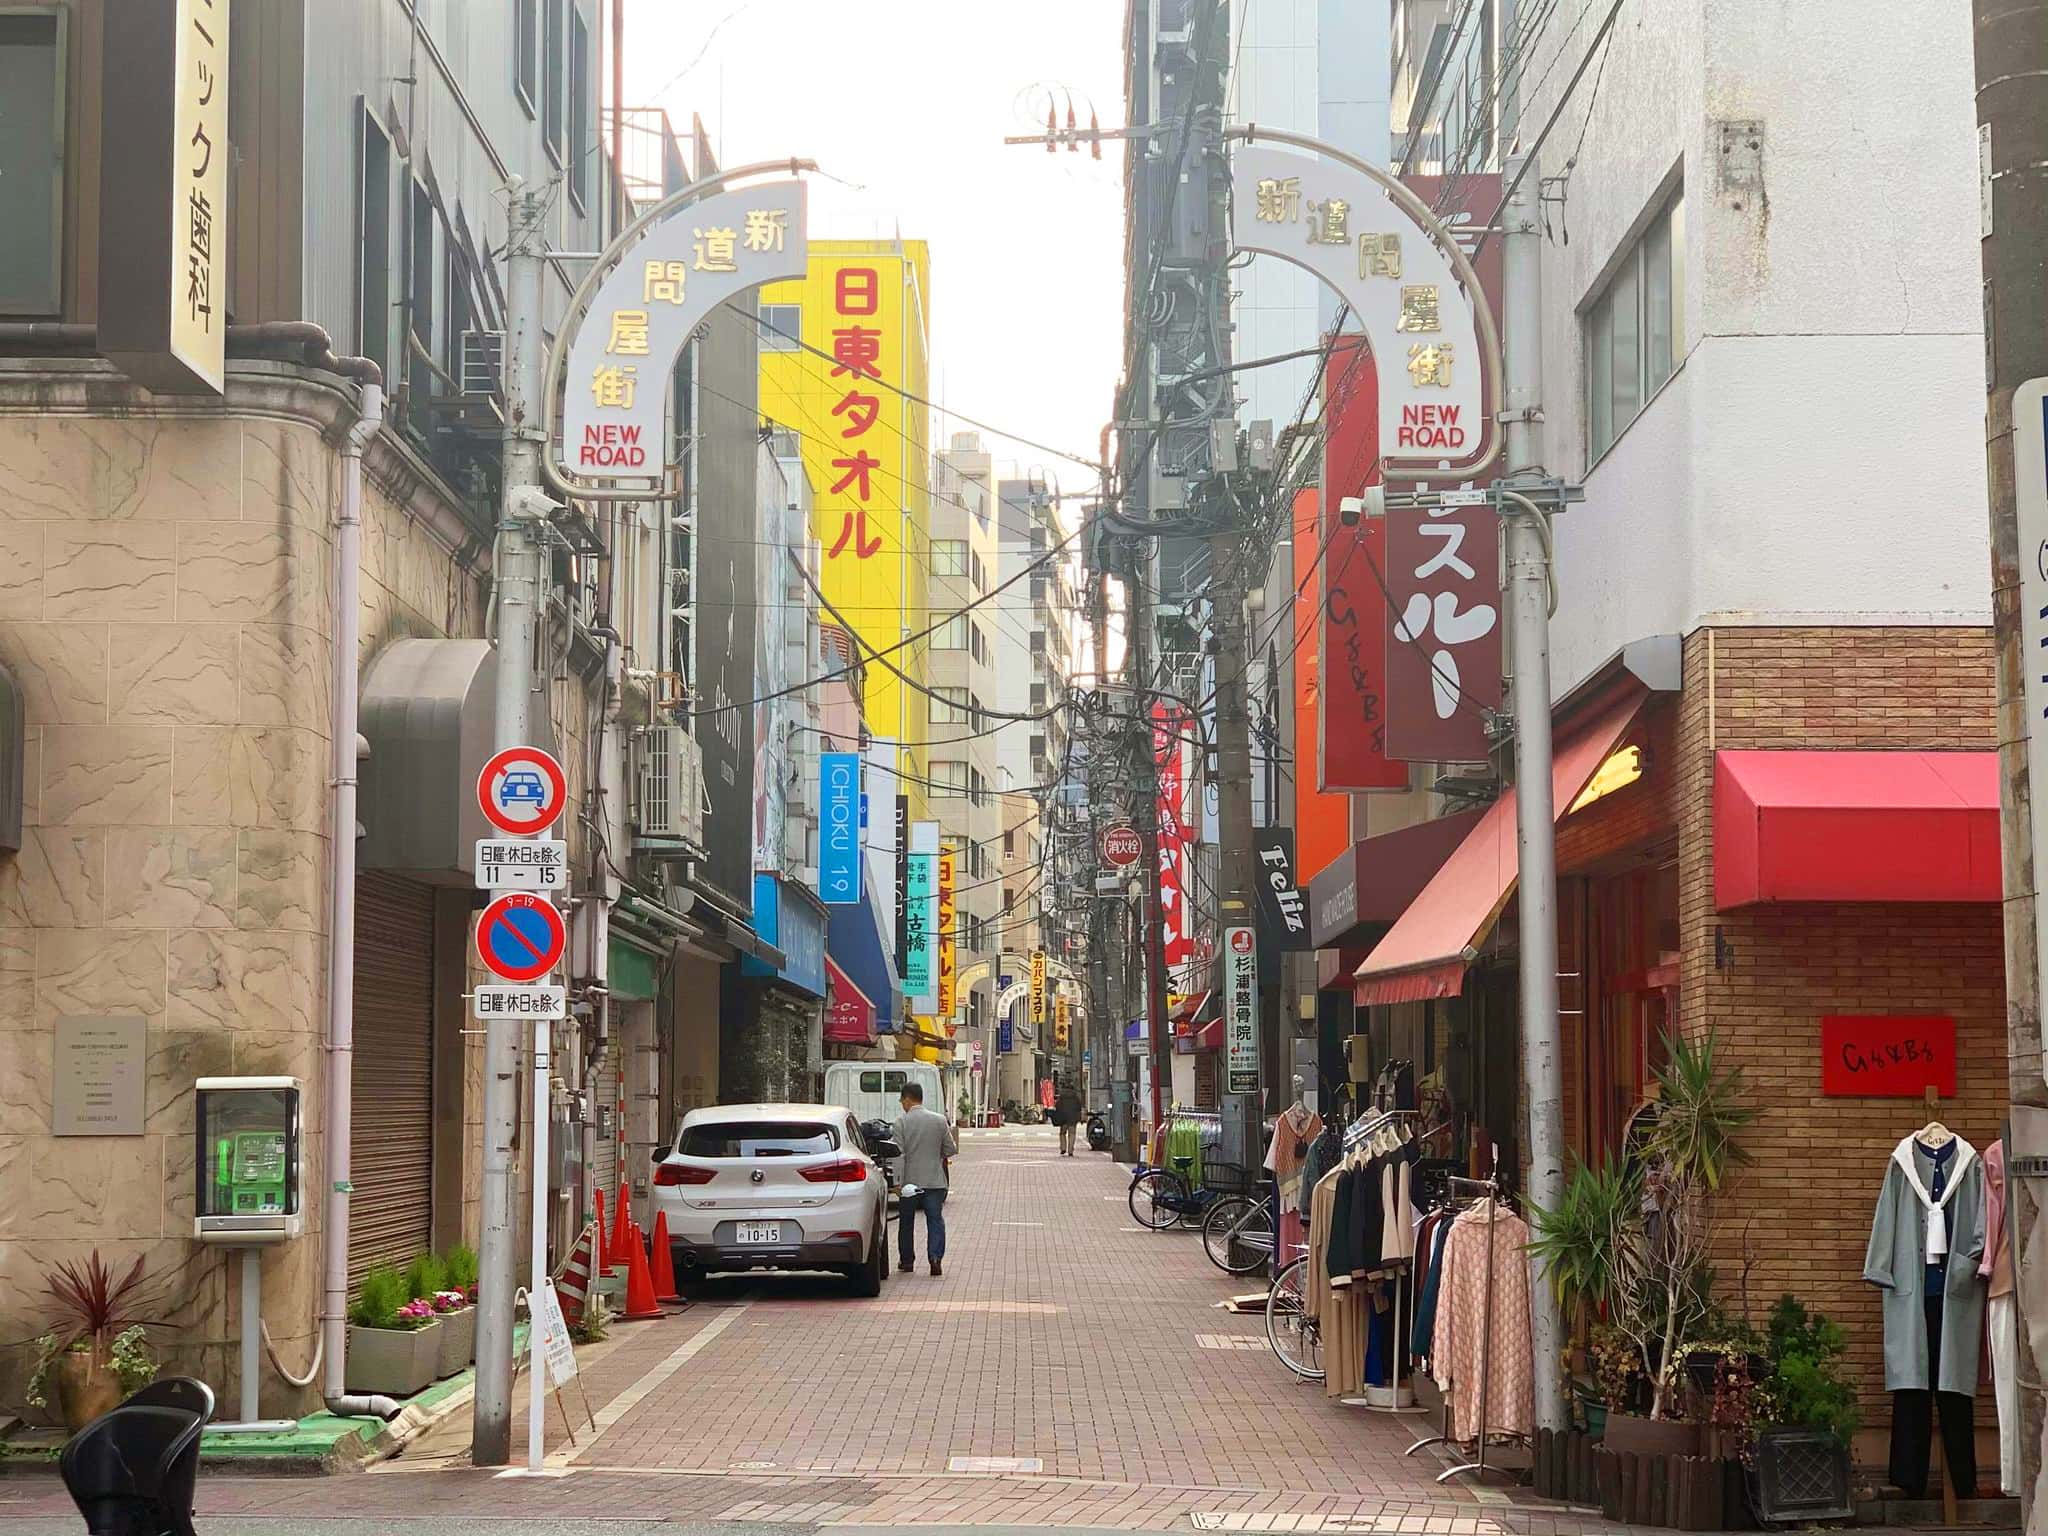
1886 1056
1444 632
1121 847
1170 730
849 1016
1352 665
522 790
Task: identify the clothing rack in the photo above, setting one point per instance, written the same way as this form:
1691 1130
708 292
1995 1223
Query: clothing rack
1357 1134
1487 1192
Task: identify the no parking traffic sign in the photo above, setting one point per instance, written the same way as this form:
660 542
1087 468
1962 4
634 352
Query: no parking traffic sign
521 937
522 790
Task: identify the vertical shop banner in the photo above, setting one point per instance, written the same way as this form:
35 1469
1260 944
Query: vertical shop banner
1352 646
839 858
919 945
1241 1009
949 955
1444 654
903 888
1283 909
1062 1023
1176 838
1322 820
1038 986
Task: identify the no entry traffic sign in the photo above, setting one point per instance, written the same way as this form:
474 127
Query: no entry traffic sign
521 937
522 790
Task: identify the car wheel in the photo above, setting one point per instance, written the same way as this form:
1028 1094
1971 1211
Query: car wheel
867 1278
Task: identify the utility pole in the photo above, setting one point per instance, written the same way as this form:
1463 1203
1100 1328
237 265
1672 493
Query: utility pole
2012 151
516 595
1528 582
1138 627
1102 1034
1243 1111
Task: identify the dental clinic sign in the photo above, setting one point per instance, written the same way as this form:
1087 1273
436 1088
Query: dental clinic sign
1411 289
628 335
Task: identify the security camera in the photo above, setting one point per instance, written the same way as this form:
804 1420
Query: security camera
1373 503
531 504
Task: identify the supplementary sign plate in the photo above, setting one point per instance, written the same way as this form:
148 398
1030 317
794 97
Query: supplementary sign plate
532 1002
521 937
522 790
522 864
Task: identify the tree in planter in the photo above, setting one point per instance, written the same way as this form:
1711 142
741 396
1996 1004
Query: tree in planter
1805 1386
97 1346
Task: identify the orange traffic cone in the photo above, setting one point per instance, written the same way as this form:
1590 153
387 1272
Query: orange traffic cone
640 1303
622 1223
664 1262
574 1282
602 1252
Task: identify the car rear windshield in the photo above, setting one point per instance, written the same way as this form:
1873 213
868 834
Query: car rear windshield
758 1138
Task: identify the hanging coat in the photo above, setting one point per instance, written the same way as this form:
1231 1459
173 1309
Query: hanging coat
1897 1263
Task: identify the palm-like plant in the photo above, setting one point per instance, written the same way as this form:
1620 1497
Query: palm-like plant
93 1306
1580 1241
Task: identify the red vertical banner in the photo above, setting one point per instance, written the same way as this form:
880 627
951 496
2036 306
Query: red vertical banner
1444 659
1352 646
1322 820
1170 726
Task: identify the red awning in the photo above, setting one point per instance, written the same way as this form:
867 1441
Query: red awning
849 1015
1187 1009
1855 826
1426 951
1209 1037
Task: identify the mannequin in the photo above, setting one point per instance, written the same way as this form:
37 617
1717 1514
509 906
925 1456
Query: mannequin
1926 1247
1297 1127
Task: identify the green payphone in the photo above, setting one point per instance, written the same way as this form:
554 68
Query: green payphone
248 1160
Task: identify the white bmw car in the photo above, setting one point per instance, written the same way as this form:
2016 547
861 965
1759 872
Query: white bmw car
776 1186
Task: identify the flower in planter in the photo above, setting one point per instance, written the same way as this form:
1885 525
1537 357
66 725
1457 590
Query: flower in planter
416 1312
450 1301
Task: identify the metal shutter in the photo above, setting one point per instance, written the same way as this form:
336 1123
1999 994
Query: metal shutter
391 1135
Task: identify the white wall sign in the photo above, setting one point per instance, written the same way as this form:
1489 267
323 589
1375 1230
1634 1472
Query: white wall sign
616 391
2030 482
1416 301
100 1064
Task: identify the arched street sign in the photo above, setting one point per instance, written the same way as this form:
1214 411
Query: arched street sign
660 286
521 937
522 790
1412 291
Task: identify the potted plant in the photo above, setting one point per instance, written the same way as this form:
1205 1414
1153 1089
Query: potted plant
458 1317
394 1339
1800 1467
429 1280
96 1313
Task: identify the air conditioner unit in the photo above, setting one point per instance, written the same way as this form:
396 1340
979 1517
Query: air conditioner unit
483 362
668 808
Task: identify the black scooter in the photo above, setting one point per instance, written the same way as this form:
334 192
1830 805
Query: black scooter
131 1472
1098 1131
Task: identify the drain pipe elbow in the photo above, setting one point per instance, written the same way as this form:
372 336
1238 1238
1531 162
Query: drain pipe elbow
341 940
363 1406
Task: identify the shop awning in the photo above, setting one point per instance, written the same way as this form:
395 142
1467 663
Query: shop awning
853 942
1189 1008
849 1012
1376 879
1855 826
1426 951
1209 1036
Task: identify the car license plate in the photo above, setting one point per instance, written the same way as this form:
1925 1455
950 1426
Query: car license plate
760 1232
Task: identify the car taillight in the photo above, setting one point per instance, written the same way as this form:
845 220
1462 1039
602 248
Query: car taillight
668 1175
848 1170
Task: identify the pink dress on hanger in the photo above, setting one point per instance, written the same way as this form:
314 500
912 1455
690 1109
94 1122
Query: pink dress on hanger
1463 1350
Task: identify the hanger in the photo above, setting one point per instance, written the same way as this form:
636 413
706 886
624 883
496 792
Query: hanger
1934 1134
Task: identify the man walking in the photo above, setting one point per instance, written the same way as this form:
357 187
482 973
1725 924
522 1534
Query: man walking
928 1148
1067 1112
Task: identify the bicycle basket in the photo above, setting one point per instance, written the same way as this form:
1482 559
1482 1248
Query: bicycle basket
1230 1178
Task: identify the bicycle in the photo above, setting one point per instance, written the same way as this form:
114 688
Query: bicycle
1238 1233
1163 1197
1296 1337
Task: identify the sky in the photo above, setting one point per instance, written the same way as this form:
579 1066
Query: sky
906 103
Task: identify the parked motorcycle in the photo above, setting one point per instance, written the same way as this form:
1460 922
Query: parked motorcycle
1098 1131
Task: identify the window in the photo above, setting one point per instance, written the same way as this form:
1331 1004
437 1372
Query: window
781 326
373 241
757 1138
1038 586
977 647
1037 748
551 84
949 557
1634 329
954 634
526 85
949 777
579 108
421 277
1009 852
977 786
978 572
1037 696
952 706
32 163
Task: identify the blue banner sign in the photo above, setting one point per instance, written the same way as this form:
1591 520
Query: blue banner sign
920 943
839 833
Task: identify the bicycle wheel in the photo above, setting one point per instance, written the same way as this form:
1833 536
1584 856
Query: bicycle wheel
1296 1337
1157 1199
1238 1234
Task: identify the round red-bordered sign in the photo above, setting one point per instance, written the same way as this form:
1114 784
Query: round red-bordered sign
522 790
1121 847
521 936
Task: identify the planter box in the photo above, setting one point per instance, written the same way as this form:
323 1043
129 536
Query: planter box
1630 1434
1686 1493
1799 1475
396 1362
458 1340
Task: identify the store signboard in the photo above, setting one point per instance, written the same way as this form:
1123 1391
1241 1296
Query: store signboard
2030 488
839 858
1444 657
1241 1008
949 946
920 943
1887 1056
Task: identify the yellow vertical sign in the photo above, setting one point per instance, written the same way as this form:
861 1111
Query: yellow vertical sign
1038 986
948 950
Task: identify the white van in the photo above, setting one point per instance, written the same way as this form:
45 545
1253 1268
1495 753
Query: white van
873 1090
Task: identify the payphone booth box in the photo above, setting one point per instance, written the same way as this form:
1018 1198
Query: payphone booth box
248 1163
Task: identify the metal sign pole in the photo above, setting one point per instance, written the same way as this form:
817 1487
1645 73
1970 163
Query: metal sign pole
536 1408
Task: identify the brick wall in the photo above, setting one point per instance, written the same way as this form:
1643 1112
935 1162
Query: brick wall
1802 1213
